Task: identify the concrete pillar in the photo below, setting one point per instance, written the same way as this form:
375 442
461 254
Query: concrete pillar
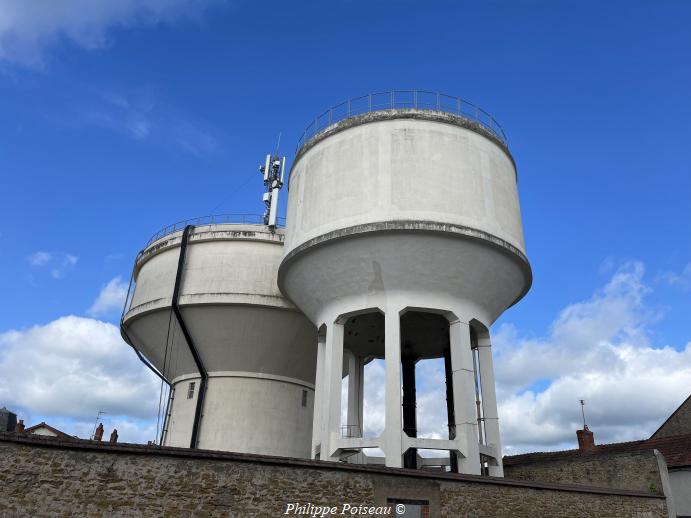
319 390
356 376
463 379
392 443
333 370
489 403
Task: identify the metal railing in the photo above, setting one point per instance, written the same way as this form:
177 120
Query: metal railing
401 99
213 219
350 431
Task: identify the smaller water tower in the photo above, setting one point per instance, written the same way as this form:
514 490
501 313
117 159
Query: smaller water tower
206 313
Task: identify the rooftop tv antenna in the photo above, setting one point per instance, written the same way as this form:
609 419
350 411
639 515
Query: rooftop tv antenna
273 170
98 418
585 426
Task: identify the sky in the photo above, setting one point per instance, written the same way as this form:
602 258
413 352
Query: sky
121 117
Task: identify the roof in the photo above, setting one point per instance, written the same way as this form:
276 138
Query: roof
676 450
684 407
42 424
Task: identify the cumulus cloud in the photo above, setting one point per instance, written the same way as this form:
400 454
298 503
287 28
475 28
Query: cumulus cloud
39 258
28 27
599 350
67 370
58 263
142 116
110 299
680 280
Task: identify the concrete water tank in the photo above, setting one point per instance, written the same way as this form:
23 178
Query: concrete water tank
206 311
404 241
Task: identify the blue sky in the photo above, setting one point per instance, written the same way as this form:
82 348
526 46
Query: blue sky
119 118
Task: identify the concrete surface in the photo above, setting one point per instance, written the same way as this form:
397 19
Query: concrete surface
259 349
404 211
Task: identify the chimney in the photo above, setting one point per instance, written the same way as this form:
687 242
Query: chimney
586 439
114 436
20 426
98 434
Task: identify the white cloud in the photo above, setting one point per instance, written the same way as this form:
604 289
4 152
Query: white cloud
39 258
680 280
71 368
139 114
28 27
110 299
57 263
599 350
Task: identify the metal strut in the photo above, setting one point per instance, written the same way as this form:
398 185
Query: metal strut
190 344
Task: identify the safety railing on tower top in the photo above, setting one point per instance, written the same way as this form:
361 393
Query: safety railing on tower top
402 99
213 219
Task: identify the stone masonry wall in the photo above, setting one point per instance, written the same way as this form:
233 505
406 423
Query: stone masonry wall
53 477
679 422
637 471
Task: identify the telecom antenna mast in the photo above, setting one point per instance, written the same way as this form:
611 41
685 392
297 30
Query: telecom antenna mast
273 170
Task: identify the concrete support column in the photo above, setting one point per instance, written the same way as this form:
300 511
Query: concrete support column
463 380
393 429
489 403
318 395
333 374
356 366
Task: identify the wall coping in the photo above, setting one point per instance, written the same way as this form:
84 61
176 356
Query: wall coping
141 449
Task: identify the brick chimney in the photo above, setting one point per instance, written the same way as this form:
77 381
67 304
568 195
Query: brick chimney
98 434
20 426
114 436
586 439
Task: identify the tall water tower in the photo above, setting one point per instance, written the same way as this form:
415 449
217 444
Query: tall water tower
206 312
404 242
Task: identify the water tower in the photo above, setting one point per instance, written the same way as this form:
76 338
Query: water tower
404 242
204 310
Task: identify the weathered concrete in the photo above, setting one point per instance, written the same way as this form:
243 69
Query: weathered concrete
402 211
49 477
259 350
680 482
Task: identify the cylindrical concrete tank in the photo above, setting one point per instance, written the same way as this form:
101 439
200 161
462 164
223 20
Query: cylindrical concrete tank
404 200
258 350
412 214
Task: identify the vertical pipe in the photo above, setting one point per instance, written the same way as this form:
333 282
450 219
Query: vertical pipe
449 406
409 409
188 339
478 399
354 422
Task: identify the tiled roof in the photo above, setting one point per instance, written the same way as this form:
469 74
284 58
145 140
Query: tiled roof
59 433
675 449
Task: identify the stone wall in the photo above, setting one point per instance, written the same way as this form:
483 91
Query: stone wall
679 422
636 471
55 477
